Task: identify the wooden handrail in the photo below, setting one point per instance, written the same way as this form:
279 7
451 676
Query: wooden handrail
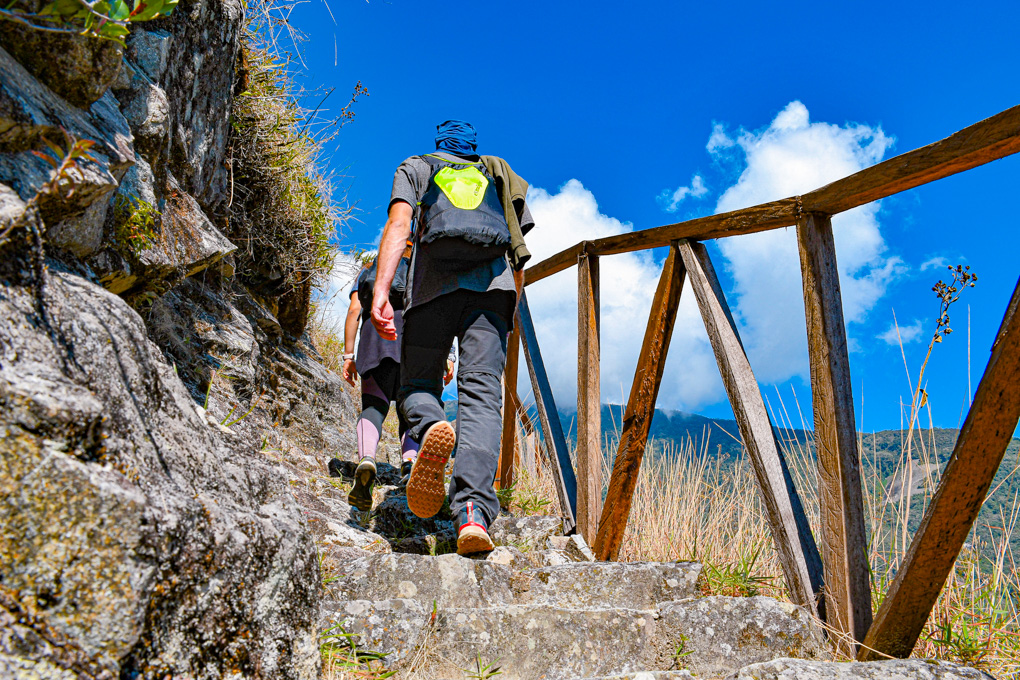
983 142
846 605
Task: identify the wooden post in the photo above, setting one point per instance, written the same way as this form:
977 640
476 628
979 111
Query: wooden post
791 531
589 402
637 419
979 449
844 542
552 429
505 474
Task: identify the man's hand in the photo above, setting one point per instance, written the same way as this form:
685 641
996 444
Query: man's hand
382 317
391 247
449 372
349 370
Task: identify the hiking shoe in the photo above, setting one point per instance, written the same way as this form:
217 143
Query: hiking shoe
425 487
473 536
364 479
335 467
405 472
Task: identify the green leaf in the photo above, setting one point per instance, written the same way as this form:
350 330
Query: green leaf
119 10
146 10
114 31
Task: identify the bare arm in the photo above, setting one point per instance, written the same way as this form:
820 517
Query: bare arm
391 248
351 330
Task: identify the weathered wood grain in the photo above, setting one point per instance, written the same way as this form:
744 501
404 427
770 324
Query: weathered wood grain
844 542
551 265
946 523
762 217
798 553
589 402
548 416
505 474
637 418
983 142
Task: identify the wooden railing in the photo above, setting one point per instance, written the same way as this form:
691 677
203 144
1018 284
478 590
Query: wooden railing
833 583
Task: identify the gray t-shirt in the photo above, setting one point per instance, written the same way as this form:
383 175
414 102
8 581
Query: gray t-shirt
427 280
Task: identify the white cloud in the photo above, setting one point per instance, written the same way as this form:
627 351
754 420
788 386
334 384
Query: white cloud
719 139
627 284
906 334
789 157
671 199
335 298
934 263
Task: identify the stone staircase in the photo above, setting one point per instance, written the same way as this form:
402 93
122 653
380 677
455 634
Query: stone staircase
539 606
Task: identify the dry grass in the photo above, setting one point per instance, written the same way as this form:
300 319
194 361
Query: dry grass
690 505
327 335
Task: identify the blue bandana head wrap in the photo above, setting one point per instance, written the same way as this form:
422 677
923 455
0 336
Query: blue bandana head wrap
456 137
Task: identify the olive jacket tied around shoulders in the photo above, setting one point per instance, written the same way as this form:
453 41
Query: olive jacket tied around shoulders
512 191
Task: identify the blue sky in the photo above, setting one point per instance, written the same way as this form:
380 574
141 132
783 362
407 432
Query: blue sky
629 116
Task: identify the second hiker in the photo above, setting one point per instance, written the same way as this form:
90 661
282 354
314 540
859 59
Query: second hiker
469 215
378 364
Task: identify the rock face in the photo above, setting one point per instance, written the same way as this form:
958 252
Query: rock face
164 505
132 527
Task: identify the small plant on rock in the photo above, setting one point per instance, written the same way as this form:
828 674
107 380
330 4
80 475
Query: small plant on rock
341 652
481 672
102 19
134 221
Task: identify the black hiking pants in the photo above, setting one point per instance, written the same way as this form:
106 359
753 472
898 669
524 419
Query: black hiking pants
480 322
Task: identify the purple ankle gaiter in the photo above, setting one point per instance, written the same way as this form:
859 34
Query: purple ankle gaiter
368 438
408 448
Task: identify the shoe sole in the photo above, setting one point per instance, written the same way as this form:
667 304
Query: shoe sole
474 540
361 495
425 488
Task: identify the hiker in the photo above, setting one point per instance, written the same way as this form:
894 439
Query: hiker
378 364
470 216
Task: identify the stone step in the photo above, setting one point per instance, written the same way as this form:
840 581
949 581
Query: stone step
636 585
454 581
897 669
648 675
525 641
525 533
709 637
447 580
714 636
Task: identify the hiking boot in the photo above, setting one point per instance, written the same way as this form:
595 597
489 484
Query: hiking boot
405 472
364 479
335 467
425 487
473 535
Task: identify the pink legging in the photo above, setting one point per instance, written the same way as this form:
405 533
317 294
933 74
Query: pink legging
375 403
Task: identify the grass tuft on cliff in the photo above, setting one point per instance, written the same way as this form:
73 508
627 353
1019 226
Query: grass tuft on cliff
282 213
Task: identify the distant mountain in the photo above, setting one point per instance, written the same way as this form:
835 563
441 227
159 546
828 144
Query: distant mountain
668 428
